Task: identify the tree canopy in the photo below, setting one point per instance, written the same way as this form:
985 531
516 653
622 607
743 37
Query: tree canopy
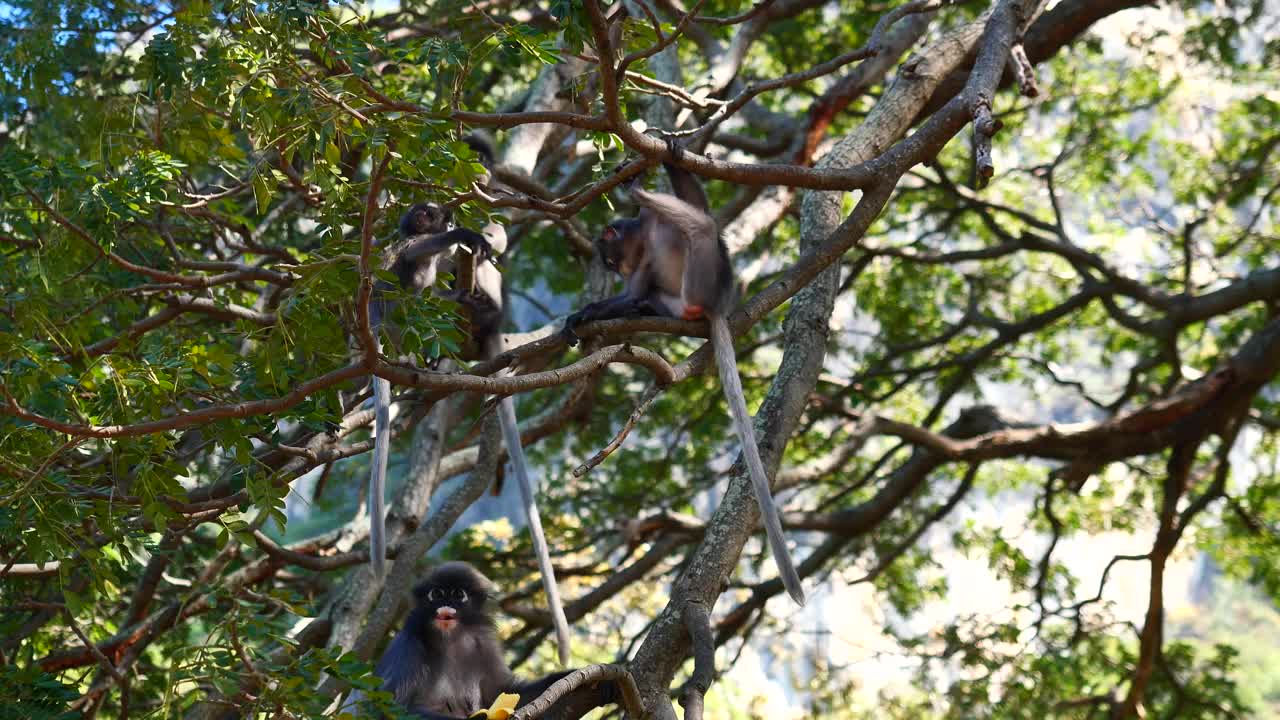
1010 325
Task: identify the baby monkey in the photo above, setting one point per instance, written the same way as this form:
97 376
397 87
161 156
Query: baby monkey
674 263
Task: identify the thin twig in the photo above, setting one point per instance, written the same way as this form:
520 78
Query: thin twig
755 10
103 660
1023 71
367 341
242 653
645 401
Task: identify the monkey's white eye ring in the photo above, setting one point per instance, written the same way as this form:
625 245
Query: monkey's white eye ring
443 594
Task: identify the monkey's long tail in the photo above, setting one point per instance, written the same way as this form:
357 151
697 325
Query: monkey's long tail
378 475
727 363
511 438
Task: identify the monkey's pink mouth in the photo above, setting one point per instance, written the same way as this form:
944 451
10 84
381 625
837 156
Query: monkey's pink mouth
446 619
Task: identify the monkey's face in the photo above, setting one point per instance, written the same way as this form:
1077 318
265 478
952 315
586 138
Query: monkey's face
425 219
453 598
448 604
611 245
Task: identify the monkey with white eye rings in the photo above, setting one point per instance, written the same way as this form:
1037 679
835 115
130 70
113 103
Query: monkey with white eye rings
416 262
447 660
426 250
675 263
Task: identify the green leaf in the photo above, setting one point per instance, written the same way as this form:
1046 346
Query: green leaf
262 193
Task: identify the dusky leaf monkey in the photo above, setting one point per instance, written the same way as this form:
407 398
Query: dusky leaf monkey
447 660
674 263
426 241
425 250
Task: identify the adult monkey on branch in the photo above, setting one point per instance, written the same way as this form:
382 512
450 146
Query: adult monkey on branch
674 263
427 249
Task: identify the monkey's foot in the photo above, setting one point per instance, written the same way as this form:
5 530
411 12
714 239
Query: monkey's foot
478 300
570 336
693 312
501 709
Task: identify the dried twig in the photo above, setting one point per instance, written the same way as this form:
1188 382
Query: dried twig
1023 71
645 401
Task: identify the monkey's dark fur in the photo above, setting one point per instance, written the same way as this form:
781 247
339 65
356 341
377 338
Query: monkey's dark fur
421 254
424 251
447 659
675 263
670 255
455 671
416 261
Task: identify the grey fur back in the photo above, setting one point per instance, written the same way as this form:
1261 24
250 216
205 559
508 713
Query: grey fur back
704 248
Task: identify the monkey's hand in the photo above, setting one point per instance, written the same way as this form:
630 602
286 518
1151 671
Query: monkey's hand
606 692
479 245
675 148
501 709
628 183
